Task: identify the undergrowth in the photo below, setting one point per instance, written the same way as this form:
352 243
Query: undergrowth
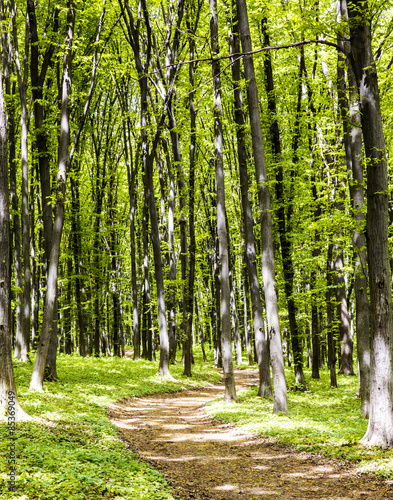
322 420
72 451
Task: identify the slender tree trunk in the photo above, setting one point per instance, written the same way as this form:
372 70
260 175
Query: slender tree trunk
115 295
64 139
316 347
380 425
268 269
247 327
68 344
21 347
316 334
159 275
26 271
146 283
250 252
148 160
346 358
235 320
35 272
284 218
216 314
37 79
191 205
77 254
172 261
8 397
132 172
225 310
21 342
329 313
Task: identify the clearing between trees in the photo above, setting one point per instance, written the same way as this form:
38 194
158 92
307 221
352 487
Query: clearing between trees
203 459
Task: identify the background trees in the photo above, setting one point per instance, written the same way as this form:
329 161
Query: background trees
139 259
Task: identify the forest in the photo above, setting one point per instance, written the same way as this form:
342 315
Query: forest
191 182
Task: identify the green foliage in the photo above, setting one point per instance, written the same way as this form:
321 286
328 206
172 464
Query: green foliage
322 420
71 451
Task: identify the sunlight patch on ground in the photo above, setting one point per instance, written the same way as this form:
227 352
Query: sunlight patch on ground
226 487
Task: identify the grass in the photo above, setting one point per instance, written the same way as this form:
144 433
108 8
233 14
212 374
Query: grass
73 452
322 420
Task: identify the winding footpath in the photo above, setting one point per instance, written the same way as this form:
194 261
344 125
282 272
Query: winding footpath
202 459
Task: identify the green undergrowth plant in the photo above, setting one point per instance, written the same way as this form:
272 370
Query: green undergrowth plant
71 451
322 420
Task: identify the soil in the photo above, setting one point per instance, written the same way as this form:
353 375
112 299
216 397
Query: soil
203 459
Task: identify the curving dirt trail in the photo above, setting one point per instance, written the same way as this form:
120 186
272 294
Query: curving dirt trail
203 460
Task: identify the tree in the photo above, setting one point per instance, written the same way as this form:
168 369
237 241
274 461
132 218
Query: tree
64 140
284 216
380 425
7 381
268 268
348 103
227 363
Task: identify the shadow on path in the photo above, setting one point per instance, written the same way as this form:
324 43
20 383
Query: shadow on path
202 459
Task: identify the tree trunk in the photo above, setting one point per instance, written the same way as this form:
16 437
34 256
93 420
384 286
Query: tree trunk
191 204
37 80
268 269
225 310
380 425
353 152
64 139
249 238
22 85
330 333
346 358
250 252
8 398
77 254
132 176
284 219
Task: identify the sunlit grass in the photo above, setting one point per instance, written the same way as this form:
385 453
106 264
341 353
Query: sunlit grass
321 420
73 452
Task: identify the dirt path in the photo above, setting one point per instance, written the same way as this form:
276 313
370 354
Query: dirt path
203 460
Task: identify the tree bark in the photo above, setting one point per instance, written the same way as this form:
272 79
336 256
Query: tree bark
64 140
24 322
268 267
284 218
348 102
329 320
38 78
7 382
225 310
249 237
380 425
148 161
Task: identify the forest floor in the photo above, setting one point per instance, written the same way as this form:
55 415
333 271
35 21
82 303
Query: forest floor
203 459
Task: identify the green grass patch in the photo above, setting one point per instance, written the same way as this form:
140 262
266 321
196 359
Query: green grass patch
75 453
322 420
